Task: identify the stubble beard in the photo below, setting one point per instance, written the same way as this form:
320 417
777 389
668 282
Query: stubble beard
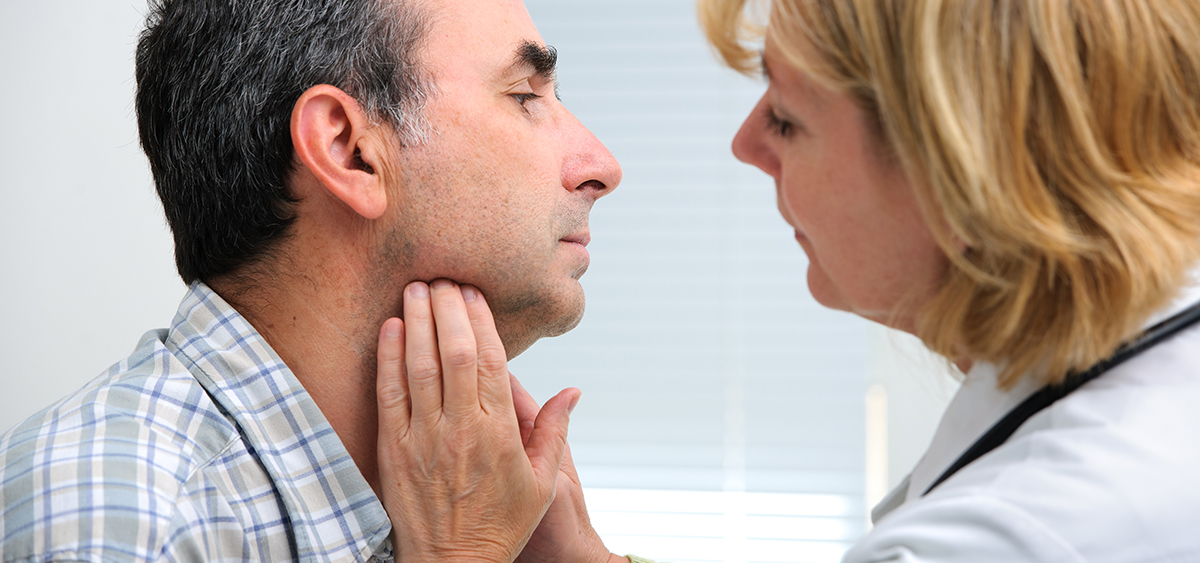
523 315
523 320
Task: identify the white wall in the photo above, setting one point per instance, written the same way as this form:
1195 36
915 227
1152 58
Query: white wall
919 384
86 261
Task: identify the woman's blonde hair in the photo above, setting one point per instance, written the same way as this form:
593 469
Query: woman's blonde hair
1058 140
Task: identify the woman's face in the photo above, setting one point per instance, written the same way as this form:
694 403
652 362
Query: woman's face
855 214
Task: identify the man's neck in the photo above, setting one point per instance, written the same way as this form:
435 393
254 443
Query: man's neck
328 340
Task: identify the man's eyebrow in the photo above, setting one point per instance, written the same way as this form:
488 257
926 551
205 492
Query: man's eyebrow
543 59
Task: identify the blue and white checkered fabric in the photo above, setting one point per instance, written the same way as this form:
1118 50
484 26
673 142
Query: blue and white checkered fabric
201 446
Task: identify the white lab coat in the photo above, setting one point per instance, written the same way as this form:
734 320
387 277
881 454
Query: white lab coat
1110 473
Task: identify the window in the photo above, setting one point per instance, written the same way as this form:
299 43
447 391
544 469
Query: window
722 416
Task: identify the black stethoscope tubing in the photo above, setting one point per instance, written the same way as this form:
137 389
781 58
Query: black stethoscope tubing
1007 426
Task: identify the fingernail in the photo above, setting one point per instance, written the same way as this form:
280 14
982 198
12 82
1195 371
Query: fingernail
419 290
393 329
574 402
442 284
469 293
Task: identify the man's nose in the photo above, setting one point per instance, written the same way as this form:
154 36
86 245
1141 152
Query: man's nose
590 167
750 146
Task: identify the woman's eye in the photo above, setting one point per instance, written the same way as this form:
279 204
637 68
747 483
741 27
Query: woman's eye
777 126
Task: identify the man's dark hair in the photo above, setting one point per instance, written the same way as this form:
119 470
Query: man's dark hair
216 84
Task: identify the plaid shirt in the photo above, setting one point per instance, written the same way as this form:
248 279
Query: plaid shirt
201 446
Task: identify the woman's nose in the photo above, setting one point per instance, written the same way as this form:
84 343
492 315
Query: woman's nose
750 144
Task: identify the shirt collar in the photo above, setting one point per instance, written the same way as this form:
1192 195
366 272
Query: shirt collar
334 513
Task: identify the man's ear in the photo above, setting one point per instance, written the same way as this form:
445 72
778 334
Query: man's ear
334 140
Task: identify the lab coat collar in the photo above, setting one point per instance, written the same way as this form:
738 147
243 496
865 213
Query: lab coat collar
891 501
978 405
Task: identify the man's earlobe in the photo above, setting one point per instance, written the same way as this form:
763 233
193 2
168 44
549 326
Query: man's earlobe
329 134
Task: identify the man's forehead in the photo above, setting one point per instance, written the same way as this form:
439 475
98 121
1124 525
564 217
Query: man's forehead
492 17
487 35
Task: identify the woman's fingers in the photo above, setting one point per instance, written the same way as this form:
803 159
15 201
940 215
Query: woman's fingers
548 441
460 481
527 408
495 391
391 386
565 532
421 359
455 361
457 350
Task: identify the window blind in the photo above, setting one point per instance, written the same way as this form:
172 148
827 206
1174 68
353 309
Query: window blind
722 416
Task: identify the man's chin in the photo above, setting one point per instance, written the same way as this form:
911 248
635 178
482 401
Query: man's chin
567 324
519 335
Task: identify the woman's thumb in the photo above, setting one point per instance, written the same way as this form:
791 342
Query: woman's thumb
548 441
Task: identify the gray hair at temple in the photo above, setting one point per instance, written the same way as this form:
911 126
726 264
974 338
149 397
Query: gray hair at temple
216 84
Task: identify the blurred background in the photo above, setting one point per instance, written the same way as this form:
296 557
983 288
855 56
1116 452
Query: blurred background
726 416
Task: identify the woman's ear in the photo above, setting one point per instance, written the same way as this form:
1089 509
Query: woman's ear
333 139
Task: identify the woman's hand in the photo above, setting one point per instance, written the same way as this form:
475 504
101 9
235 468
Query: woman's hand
565 534
458 482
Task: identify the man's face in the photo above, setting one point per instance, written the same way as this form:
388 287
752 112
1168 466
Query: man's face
499 194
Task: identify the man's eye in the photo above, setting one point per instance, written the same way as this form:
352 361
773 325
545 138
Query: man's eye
525 97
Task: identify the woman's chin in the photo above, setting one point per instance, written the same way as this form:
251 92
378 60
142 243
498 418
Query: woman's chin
824 291
830 296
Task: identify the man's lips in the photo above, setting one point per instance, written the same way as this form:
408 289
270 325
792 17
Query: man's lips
582 239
